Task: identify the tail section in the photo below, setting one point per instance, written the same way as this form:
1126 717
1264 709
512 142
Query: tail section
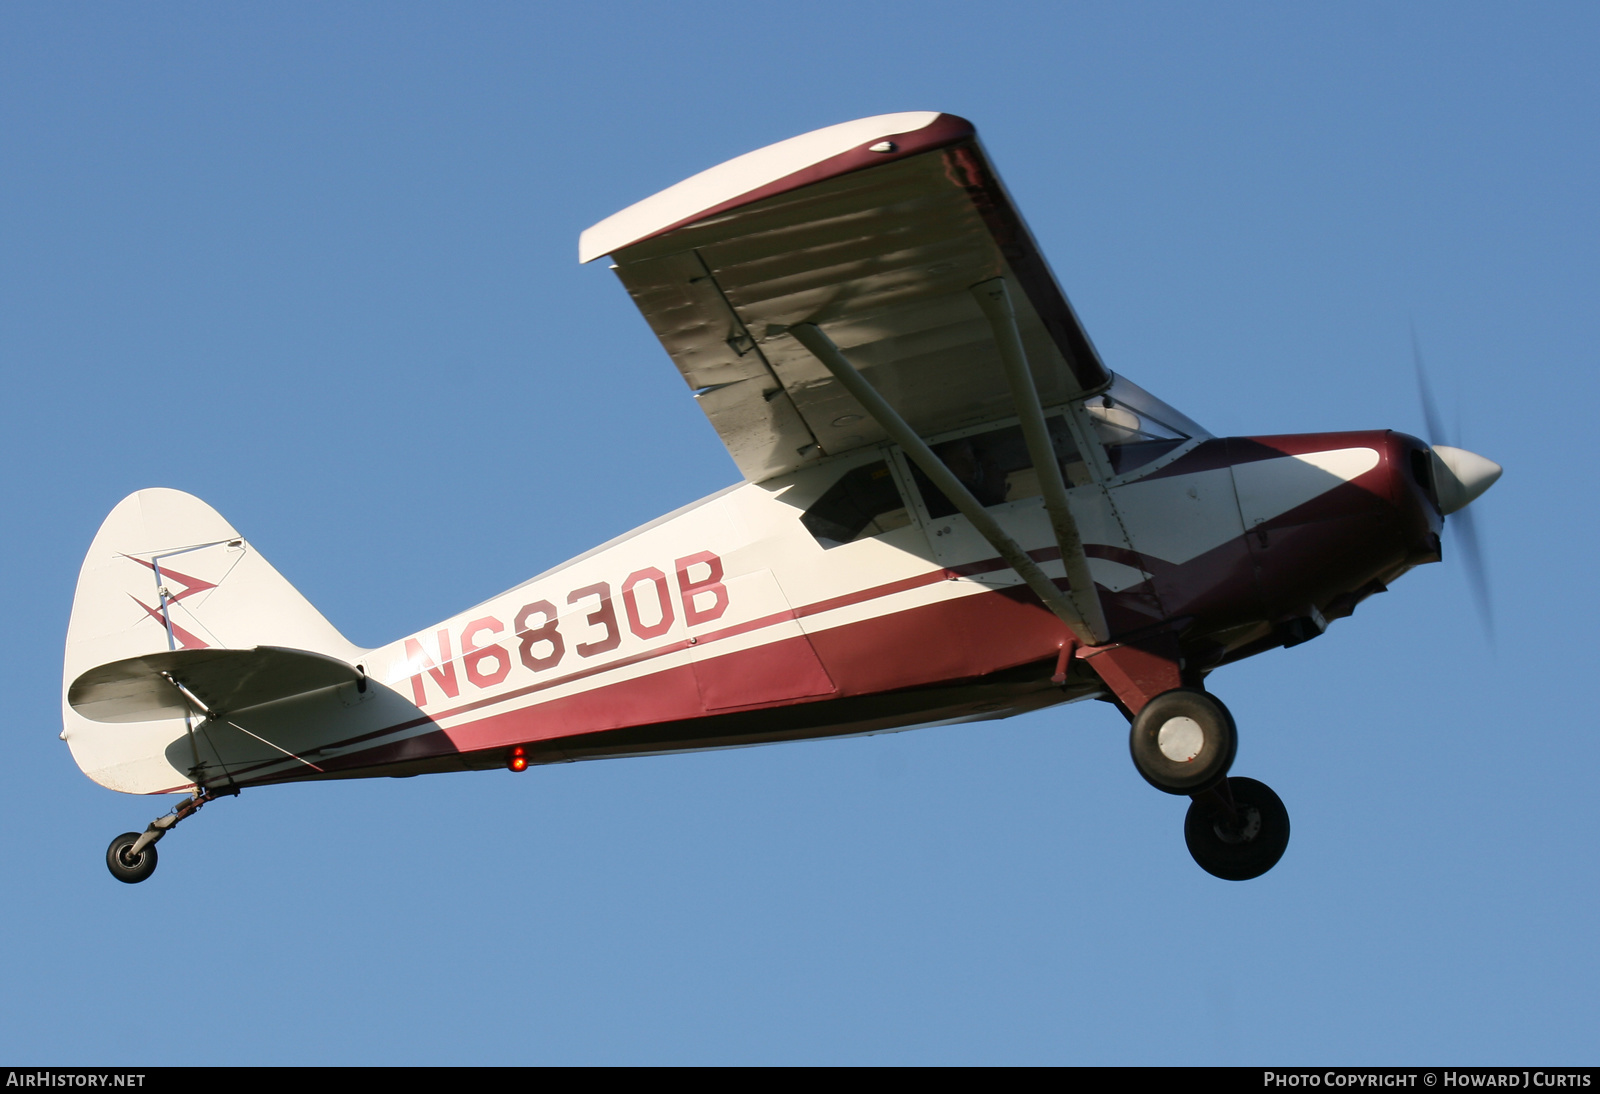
166 574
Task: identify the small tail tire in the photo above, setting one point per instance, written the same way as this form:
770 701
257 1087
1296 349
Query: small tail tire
1183 741
1243 850
131 869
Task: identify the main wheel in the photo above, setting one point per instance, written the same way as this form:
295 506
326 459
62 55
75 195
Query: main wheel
1183 741
1239 851
131 869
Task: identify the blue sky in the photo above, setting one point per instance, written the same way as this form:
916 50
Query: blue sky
317 265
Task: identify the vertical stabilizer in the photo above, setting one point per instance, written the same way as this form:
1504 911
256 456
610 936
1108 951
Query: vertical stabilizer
167 572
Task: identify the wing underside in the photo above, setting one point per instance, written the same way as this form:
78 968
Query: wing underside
878 243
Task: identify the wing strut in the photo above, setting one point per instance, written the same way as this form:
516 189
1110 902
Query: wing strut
822 348
995 301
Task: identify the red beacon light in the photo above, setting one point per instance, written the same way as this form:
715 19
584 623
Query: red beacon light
519 760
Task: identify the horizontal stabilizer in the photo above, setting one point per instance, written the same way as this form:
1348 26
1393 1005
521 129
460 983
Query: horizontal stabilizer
142 689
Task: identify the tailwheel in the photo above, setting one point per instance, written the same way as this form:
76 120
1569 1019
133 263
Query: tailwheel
125 864
1237 831
1183 741
132 855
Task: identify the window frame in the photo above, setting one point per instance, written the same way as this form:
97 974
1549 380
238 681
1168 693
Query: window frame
853 461
1093 452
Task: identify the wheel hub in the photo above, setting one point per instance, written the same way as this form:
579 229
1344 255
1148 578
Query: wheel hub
1180 739
1248 828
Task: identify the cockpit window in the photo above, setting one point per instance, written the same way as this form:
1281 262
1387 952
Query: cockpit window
1135 427
864 502
996 466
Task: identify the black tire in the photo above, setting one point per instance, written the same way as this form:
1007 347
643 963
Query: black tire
129 870
1249 849
1206 734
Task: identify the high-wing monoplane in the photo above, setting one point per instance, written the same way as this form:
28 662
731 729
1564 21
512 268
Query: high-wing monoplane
951 511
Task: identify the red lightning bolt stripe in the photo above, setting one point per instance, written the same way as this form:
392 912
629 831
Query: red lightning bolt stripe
189 641
191 585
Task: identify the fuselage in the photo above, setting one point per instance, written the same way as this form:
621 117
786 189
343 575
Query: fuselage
764 613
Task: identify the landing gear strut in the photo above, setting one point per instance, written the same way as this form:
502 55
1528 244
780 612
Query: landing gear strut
132 856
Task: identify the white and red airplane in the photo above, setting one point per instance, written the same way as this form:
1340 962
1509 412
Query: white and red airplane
951 511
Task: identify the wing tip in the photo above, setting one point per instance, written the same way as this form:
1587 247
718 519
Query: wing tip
775 169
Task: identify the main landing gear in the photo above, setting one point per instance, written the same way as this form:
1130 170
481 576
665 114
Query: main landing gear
1183 742
1237 831
132 856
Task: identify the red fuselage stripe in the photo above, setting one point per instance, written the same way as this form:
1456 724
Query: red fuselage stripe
874 593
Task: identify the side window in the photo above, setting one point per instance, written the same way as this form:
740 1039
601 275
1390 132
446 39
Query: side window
996 467
1131 439
1135 427
864 502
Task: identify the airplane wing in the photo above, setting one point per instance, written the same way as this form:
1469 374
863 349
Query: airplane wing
873 230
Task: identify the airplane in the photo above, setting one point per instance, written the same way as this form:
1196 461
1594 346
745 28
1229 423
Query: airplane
951 511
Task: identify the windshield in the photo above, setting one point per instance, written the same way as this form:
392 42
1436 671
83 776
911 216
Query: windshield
1135 427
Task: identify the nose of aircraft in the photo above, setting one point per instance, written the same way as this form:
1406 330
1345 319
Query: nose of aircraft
1460 476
